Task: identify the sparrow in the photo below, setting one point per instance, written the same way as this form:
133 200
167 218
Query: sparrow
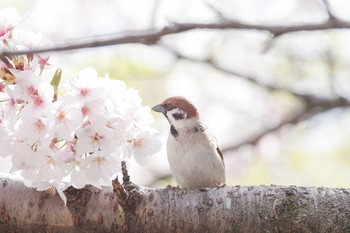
194 156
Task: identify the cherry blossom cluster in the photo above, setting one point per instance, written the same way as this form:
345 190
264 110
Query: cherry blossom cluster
72 134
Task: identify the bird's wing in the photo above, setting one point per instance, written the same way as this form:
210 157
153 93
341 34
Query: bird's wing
220 154
215 143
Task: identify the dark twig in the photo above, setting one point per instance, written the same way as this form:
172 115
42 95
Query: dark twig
220 16
126 177
122 194
268 44
331 16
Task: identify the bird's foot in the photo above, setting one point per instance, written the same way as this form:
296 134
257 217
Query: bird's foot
220 185
171 187
204 189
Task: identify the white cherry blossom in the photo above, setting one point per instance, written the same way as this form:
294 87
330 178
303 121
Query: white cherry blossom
74 137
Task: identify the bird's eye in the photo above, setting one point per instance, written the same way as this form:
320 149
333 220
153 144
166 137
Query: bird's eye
179 116
168 107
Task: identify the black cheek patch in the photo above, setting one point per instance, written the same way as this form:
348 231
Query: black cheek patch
178 116
173 131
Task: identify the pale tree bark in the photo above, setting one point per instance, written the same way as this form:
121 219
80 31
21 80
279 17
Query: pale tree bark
131 208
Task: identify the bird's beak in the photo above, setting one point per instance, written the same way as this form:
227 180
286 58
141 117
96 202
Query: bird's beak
159 108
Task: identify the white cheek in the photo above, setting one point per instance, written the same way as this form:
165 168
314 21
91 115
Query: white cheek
181 123
170 115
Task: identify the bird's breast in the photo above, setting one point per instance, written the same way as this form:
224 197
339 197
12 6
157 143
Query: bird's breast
194 161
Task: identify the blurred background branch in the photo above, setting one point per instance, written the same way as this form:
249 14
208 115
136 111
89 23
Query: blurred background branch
312 104
152 36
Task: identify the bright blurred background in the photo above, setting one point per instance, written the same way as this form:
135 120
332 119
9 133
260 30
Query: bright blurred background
214 69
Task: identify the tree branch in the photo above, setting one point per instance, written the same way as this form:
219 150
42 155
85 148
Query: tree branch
152 36
230 209
220 16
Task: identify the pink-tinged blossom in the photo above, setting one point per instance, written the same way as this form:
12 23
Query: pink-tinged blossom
9 18
40 100
94 110
143 145
52 187
83 87
43 62
37 163
65 120
101 168
94 138
3 134
6 141
28 40
27 84
22 155
113 92
47 164
2 87
140 118
78 178
118 125
33 129
10 106
66 156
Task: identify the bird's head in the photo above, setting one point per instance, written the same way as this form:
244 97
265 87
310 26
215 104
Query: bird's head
179 111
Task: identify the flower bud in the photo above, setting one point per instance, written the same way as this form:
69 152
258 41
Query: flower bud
55 82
